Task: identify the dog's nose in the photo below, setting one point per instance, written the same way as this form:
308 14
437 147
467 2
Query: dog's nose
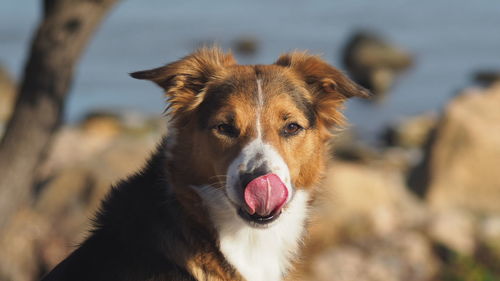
247 177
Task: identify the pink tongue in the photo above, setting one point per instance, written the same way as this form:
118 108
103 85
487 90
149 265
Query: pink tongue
265 195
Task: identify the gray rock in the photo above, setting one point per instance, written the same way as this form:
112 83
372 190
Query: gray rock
373 62
246 45
487 77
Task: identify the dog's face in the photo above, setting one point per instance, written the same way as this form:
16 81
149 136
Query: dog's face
257 132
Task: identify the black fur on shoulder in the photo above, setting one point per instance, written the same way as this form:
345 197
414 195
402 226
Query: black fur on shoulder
135 230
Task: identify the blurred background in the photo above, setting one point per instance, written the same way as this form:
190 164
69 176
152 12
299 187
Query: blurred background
413 192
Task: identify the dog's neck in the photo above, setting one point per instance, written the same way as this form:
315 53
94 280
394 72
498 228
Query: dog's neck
257 254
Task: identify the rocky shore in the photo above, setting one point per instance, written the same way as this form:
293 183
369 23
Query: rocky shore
424 206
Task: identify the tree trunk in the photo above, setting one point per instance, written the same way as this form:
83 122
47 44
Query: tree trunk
62 35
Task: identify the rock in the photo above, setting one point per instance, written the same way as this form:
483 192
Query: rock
461 167
7 96
410 133
406 256
487 77
97 133
490 234
490 229
74 146
20 242
110 123
247 45
358 201
373 62
347 147
81 176
454 229
343 263
400 159
125 157
103 123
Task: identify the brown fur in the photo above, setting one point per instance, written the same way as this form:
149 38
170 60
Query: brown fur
210 78
187 83
154 226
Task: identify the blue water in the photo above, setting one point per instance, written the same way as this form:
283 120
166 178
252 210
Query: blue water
450 40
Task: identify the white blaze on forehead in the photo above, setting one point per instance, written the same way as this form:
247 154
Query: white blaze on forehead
256 154
260 105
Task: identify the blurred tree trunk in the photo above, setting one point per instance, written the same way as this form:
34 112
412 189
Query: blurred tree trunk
63 33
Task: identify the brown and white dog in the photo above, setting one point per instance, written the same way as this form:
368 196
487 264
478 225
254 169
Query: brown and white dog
225 196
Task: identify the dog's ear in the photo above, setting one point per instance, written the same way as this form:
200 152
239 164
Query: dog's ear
328 85
185 80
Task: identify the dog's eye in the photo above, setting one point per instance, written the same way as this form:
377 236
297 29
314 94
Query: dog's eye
227 130
291 129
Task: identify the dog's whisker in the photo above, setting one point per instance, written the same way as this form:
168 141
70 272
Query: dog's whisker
220 177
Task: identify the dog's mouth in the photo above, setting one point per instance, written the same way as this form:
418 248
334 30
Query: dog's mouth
258 220
264 198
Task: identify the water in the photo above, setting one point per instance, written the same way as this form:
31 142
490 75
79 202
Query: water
450 40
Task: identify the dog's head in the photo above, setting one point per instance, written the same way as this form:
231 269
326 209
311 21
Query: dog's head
257 132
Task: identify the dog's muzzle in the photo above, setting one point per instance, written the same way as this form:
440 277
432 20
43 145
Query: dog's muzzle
264 198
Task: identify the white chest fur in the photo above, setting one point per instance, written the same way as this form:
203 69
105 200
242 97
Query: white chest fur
258 254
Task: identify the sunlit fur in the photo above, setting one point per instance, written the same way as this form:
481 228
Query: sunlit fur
260 104
179 219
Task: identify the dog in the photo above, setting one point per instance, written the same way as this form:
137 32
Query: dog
226 194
